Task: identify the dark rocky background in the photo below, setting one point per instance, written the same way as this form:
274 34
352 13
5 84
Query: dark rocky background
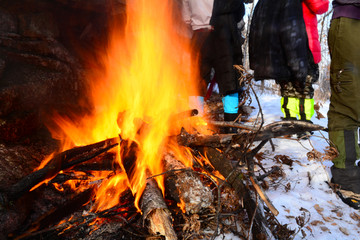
45 48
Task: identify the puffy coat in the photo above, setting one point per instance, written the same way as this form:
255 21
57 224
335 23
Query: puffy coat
310 9
278 46
347 2
225 16
226 8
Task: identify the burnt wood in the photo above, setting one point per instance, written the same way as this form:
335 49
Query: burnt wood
62 161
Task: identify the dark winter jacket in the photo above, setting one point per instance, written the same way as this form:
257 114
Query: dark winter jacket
226 7
278 42
348 2
225 16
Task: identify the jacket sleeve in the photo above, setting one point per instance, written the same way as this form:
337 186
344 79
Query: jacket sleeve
227 6
186 13
318 6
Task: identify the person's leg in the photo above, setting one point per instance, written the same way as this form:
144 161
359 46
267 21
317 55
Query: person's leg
230 103
306 98
289 101
225 72
223 61
201 46
306 109
306 101
344 111
289 107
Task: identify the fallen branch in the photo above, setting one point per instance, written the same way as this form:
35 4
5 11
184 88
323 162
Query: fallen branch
62 161
234 177
264 197
273 130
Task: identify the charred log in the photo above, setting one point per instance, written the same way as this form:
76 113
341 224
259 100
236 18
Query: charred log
62 161
155 212
186 187
55 215
152 204
234 177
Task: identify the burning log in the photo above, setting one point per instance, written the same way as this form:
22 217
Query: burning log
155 212
55 215
152 204
187 187
62 161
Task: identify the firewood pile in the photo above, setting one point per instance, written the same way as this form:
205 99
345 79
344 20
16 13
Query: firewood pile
42 65
221 193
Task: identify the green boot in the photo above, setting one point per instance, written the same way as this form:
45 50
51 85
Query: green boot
306 109
289 107
345 172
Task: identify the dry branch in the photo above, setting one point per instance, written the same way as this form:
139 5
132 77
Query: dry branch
235 178
264 197
273 130
62 161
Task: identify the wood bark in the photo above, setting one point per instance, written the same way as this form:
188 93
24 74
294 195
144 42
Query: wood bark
186 187
234 177
273 130
155 212
62 161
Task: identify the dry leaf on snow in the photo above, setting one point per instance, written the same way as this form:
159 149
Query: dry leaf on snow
344 231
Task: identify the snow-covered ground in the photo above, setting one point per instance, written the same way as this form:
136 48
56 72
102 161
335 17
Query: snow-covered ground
303 191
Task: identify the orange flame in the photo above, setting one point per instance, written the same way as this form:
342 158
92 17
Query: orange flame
146 82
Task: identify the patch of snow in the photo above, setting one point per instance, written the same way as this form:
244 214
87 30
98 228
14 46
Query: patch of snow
303 189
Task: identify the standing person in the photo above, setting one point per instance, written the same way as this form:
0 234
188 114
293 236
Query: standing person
278 49
296 104
284 45
216 42
344 111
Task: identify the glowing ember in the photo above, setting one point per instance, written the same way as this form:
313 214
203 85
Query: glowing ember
146 82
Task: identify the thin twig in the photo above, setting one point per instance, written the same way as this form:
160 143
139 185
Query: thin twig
253 217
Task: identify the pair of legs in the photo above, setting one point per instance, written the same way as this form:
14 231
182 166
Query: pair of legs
219 49
344 111
296 102
295 105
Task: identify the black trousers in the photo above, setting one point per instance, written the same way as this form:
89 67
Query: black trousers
218 49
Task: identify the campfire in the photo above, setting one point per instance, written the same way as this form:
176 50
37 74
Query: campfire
141 164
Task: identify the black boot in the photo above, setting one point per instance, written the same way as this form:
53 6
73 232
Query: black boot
230 117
